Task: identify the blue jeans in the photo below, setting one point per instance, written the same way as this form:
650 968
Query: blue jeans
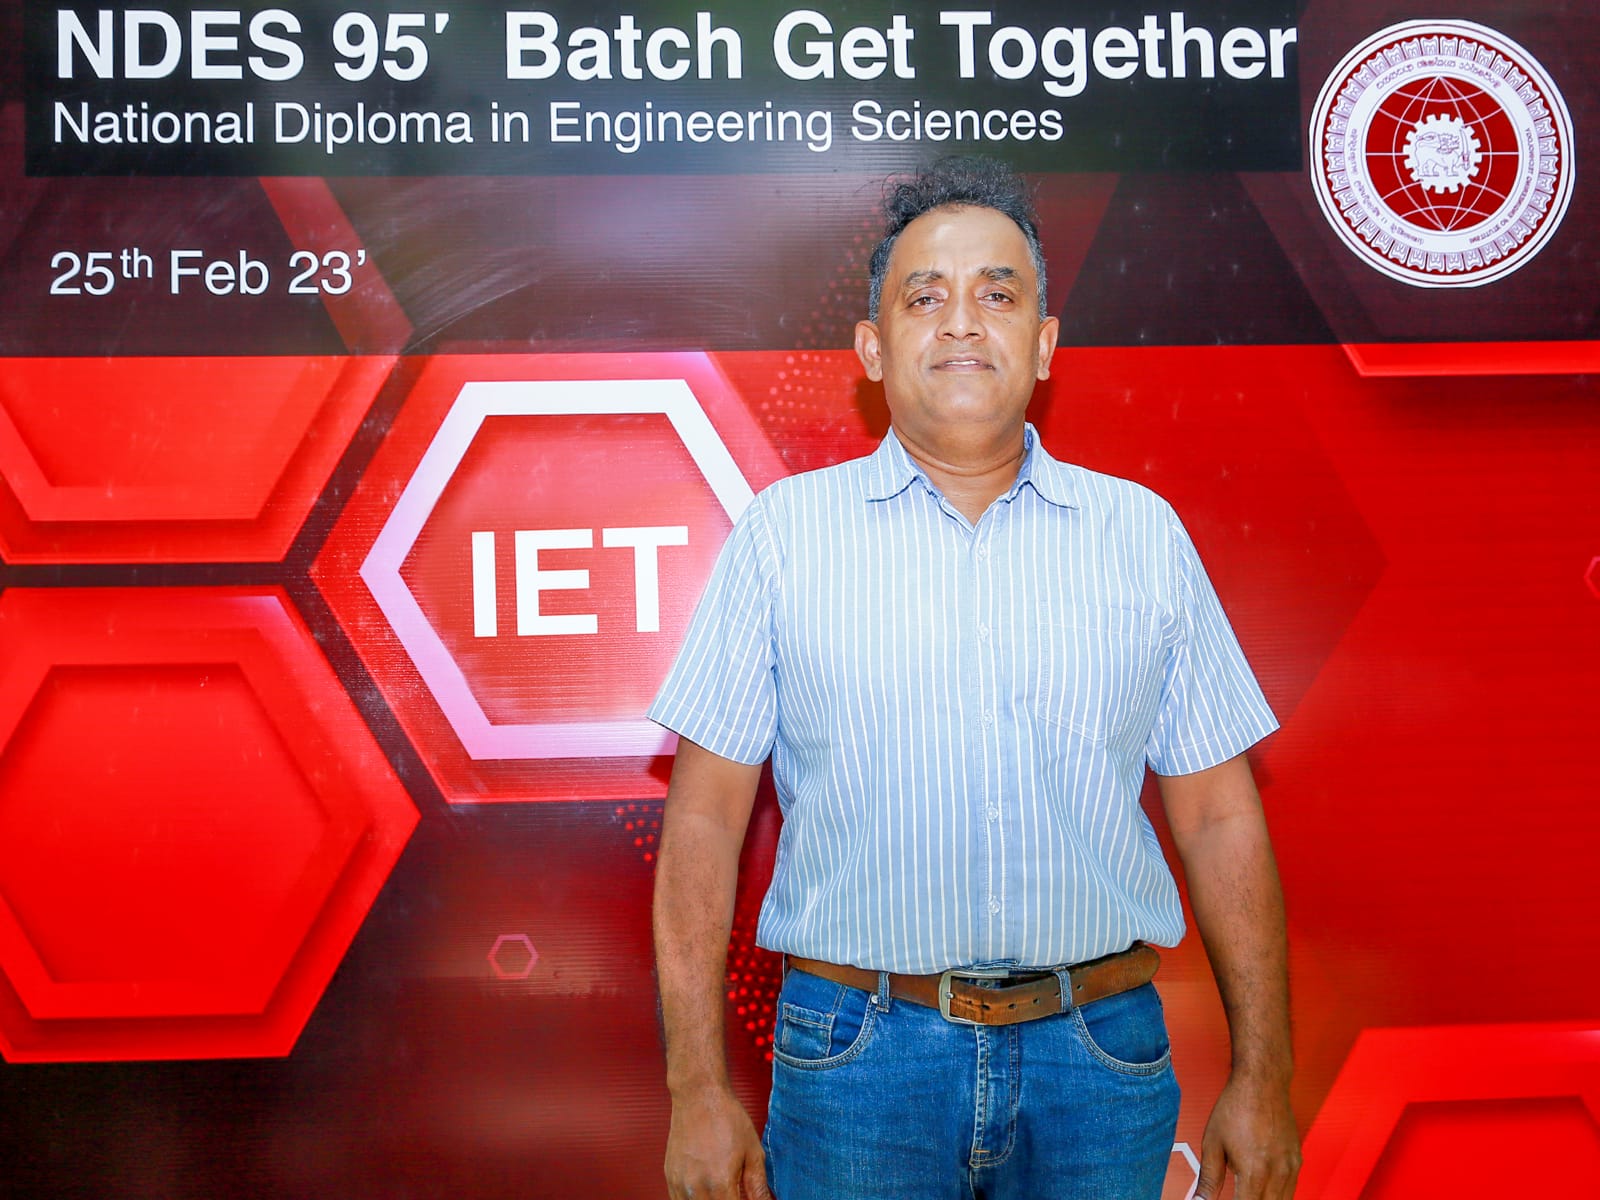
879 1098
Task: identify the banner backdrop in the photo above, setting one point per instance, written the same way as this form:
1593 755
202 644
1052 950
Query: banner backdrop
379 385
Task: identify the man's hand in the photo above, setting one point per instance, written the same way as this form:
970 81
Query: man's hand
712 1150
1221 835
1251 1133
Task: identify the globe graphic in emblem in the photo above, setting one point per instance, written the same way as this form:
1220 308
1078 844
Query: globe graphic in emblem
1442 153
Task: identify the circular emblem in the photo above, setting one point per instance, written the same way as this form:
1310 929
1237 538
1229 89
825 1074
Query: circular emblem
1442 153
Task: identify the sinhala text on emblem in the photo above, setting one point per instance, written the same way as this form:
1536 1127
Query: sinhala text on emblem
1441 153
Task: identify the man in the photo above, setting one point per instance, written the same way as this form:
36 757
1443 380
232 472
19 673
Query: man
960 655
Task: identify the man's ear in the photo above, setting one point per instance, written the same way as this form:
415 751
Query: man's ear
1049 331
869 350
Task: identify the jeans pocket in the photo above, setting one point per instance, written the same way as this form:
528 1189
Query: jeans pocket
820 1024
803 1033
1126 1032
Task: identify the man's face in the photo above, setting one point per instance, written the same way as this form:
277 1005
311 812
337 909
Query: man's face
958 342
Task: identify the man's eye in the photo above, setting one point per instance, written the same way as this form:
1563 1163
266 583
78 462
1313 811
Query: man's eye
923 300
998 297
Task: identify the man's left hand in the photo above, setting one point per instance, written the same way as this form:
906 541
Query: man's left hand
1251 1133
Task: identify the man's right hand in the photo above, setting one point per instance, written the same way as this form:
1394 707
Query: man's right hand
713 1152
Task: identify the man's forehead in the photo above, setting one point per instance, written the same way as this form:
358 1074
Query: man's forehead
992 242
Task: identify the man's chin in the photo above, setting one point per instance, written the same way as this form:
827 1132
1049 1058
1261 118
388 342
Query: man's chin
958 420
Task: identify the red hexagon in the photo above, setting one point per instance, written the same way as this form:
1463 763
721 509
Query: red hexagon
171 459
1401 1089
519 564
194 821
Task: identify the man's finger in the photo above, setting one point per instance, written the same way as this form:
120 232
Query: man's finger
1213 1168
1282 1187
755 1177
709 1189
1249 1184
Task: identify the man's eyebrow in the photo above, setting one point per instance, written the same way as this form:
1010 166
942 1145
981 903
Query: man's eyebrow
932 275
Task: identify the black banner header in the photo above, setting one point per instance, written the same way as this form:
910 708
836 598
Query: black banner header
317 89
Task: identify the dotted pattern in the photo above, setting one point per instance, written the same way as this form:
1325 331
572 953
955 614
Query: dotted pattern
832 319
810 412
810 408
754 977
642 822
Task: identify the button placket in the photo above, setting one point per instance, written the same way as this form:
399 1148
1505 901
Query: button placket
988 811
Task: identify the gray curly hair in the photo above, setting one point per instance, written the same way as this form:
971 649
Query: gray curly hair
954 182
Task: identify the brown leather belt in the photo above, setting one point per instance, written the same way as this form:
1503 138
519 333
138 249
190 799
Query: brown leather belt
1027 996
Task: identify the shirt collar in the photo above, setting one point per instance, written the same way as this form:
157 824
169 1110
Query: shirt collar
1044 474
890 470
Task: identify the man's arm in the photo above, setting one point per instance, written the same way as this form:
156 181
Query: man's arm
1221 835
712 1149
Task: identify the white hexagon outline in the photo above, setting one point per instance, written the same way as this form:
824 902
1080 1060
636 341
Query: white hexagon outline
1184 1149
623 738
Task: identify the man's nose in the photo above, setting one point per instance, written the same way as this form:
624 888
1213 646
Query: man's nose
961 317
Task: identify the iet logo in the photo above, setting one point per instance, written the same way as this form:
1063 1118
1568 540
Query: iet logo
543 542
645 541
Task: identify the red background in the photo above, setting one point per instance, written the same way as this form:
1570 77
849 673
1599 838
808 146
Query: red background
1397 493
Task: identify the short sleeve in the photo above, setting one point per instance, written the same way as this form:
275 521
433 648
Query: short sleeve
722 692
1211 707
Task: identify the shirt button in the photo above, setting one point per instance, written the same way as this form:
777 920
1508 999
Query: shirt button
994 812
988 718
994 905
983 633
983 552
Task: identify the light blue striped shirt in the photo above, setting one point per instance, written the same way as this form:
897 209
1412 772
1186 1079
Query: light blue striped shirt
959 716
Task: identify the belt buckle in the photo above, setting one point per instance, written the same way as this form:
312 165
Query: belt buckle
964 973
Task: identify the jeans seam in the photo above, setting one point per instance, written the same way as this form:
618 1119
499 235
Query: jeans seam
1014 1069
980 1100
1137 1070
855 1049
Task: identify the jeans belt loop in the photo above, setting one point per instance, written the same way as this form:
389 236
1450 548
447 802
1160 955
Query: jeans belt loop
1064 982
882 1000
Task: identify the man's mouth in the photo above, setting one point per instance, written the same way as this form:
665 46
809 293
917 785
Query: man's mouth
965 363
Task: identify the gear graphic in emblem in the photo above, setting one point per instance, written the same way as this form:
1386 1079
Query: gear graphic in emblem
1442 153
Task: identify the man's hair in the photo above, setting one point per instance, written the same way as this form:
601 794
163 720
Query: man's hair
954 183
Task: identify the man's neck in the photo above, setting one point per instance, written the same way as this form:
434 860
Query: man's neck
972 473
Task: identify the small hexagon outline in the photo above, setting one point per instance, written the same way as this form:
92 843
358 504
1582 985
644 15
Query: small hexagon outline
494 956
474 403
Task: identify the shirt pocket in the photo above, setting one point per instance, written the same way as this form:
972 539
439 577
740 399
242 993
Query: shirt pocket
1092 668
